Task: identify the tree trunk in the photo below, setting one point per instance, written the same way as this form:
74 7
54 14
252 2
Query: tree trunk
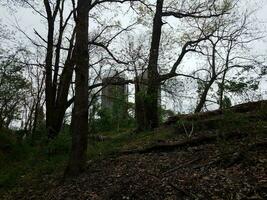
58 109
79 130
222 87
203 96
221 90
56 92
213 77
151 106
1 124
151 96
139 107
49 98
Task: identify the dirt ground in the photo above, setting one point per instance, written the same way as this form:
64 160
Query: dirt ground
207 171
225 158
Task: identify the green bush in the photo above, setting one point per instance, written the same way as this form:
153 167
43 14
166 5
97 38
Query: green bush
111 120
26 160
61 144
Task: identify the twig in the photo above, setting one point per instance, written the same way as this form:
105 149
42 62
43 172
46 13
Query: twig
181 166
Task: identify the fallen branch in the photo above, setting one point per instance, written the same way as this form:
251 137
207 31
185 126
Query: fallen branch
239 156
235 157
241 108
182 192
197 141
181 166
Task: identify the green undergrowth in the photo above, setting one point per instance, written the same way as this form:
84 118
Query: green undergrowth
121 141
23 161
27 161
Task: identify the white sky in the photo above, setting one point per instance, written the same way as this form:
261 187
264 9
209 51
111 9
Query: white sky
28 21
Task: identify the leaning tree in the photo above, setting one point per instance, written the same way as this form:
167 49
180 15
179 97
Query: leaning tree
180 10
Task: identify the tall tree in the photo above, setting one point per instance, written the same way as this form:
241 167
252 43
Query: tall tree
79 130
192 10
56 84
58 80
225 50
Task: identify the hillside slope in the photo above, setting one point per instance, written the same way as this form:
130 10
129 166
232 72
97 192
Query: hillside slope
219 156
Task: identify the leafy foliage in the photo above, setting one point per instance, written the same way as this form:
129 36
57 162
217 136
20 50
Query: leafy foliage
13 89
240 86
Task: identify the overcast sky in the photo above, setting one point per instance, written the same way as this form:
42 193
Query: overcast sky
28 21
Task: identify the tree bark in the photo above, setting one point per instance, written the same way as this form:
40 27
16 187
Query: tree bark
221 90
139 106
213 77
56 91
61 104
77 161
49 99
222 87
153 82
203 96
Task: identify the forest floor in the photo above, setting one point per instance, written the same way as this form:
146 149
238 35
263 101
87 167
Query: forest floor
222 156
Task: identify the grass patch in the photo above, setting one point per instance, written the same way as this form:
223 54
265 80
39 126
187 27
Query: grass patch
121 141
